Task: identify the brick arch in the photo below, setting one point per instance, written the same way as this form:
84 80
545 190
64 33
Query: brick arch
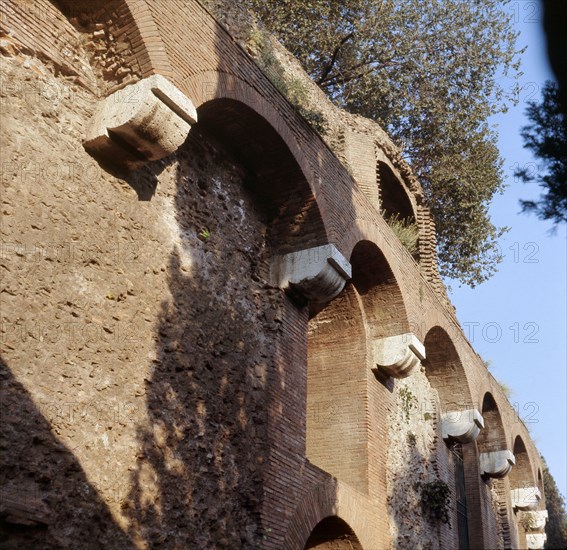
394 198
337 361
493 436
133 22
522 474
333 533
332 499
207 85
150 50
445 372
379 291
276 179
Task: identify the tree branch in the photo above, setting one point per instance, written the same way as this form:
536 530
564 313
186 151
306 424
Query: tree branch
338 79
331 63
344 79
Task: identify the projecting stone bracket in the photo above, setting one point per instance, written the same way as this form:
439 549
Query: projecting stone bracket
535 541
525 498
496 464
317 274
398 356
142 122
534 521
462 426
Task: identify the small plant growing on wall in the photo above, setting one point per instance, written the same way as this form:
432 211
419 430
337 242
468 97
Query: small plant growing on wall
296 90
435 498
204 235
406 230
408 402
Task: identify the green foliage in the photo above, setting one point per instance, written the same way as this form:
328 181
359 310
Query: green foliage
406 230
427 416
205 234
435 498
429 74
295 90
556 527
546 137
409 402
412 439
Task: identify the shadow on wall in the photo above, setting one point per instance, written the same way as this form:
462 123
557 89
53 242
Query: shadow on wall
198 479
46 500
420 525
332 533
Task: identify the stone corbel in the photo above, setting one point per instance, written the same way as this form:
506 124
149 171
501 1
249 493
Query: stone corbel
534 521
318 274
526 498
535 541
398 355
462 426
142 122
496 464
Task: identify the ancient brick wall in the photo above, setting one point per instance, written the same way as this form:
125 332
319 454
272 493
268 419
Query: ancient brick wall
159 388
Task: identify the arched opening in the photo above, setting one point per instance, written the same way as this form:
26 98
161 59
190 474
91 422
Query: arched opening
397 209
394 199
495 466
346 428
276 179
524 491
336 388
460 424
492 438
332 533
521 474
445 371
379 291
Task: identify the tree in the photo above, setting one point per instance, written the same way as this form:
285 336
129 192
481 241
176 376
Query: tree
427 73
546 137
556 527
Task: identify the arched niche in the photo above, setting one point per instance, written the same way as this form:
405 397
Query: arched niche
394 198
521 475
336 403
379 291
493 437
332 533
445 371
276 179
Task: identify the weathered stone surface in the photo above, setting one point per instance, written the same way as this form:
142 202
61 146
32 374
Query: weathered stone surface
142 122
411 439
535 541
525 498
496 464
398 355
463 426
318 273
153 377
136 352
534 521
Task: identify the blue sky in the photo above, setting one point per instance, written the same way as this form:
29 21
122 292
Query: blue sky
519 316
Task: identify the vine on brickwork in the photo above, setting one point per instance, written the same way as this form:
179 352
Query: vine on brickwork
408 402
435 498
